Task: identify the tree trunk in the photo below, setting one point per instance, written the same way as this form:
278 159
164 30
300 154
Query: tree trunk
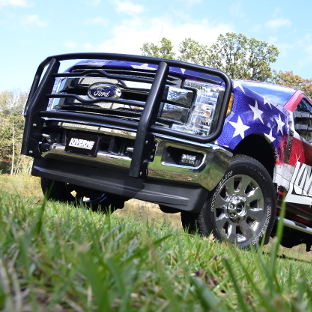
13 150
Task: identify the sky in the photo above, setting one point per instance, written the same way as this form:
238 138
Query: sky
31 30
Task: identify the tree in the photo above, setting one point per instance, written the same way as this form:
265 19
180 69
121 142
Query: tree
243 58
193 52
289 79
238 56
11 132
164 51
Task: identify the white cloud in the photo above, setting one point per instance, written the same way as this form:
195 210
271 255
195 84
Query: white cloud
89 48
277 23
70 45
23 3
33 20
130 35
100 21
126 6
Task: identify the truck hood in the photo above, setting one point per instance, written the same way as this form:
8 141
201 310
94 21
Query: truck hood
113 64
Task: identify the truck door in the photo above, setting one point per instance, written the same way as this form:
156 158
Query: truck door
299 195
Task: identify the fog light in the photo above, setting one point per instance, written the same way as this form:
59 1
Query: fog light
188 159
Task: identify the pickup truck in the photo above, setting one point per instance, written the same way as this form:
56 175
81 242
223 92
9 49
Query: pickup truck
226 154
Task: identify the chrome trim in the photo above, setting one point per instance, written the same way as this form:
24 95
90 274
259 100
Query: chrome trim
101 157
99 129
207 174
186 142
89 81
211 169
293 225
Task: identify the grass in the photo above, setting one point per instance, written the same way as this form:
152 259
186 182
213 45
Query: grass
56 257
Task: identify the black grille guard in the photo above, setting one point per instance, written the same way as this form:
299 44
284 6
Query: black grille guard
41 90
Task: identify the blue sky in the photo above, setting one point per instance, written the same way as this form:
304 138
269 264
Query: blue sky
31 30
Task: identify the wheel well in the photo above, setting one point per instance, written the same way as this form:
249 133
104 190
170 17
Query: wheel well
257 147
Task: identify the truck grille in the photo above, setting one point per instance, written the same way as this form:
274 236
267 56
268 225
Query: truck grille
75 93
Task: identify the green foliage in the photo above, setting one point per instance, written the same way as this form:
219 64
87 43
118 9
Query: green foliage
193 52
238 56
56 257
243 58
289 79
11 131
165 50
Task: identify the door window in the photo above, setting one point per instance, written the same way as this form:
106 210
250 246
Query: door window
305 106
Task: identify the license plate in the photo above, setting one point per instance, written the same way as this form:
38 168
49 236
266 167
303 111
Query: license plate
82 143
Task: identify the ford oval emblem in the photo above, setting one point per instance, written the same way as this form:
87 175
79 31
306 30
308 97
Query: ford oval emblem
102 90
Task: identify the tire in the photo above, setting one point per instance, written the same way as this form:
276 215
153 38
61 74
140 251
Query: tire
242 207
96 200
190 222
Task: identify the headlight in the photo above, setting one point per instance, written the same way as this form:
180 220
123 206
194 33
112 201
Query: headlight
176 105
202 112
176 95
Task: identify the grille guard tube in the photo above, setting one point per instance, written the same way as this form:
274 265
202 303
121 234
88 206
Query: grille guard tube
41 89
144 139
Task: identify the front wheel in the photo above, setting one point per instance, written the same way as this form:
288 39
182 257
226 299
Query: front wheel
241 209
96 200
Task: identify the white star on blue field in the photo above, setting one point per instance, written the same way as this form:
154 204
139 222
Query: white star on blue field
252 116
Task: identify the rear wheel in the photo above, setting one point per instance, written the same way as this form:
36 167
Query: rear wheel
94 199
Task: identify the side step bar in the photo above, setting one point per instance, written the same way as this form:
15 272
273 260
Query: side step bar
297 226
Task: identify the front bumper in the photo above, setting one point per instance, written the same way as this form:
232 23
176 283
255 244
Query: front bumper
168 183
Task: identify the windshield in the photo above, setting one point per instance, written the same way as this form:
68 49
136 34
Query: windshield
274 93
